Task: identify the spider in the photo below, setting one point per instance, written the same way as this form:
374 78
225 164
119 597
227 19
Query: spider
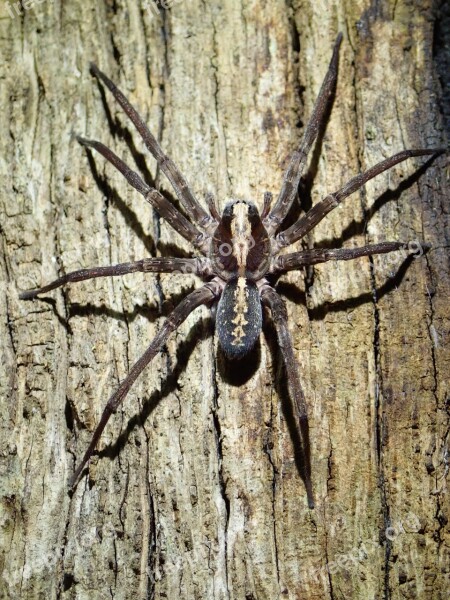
238 251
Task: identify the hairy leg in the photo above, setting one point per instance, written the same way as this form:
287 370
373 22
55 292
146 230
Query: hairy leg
303 225
195 211
203 295
293 173
296 260
277 307
165 208
196 266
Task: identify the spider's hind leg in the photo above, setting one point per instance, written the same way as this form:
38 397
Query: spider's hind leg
198 297
270 298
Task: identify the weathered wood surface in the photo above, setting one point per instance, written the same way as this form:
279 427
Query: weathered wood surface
195 492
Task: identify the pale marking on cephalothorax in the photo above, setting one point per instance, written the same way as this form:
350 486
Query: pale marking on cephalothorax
240 309
241 232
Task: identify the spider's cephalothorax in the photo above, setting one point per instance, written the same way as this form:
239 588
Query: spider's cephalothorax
240 244
238 250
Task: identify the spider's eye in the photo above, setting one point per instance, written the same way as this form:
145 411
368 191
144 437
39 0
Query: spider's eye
239 317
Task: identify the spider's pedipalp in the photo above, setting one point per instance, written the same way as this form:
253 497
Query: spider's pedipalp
268 197
212 207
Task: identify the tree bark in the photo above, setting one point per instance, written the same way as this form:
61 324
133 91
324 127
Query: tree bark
195 490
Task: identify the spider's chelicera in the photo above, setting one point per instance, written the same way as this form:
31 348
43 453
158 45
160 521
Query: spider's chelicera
239 250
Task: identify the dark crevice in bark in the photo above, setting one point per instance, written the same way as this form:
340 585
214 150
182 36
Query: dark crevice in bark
380 428
151 533
159 135
9 323
115 49
431 337
152 543
68 582
115 130
67 579
327 557
154 563
327 562
219 452
215 396
303 200
378 392
124 502
439 515
215 73
115 566
441 54
437 273
268 446
441 519
109 197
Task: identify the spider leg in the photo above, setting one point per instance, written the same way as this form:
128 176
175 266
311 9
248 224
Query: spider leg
196 298
303 225
277 307
293 173
157 200
167 166
296 260
196 266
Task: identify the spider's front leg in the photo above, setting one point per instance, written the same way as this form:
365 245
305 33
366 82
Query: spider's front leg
291 178
277 307
203 295
193 208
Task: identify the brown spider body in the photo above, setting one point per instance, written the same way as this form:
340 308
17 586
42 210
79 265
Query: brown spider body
240 256
240 248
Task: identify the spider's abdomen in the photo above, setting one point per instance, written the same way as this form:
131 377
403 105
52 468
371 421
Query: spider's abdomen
240 245
239 317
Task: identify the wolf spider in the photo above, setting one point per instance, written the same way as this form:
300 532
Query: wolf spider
238 249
